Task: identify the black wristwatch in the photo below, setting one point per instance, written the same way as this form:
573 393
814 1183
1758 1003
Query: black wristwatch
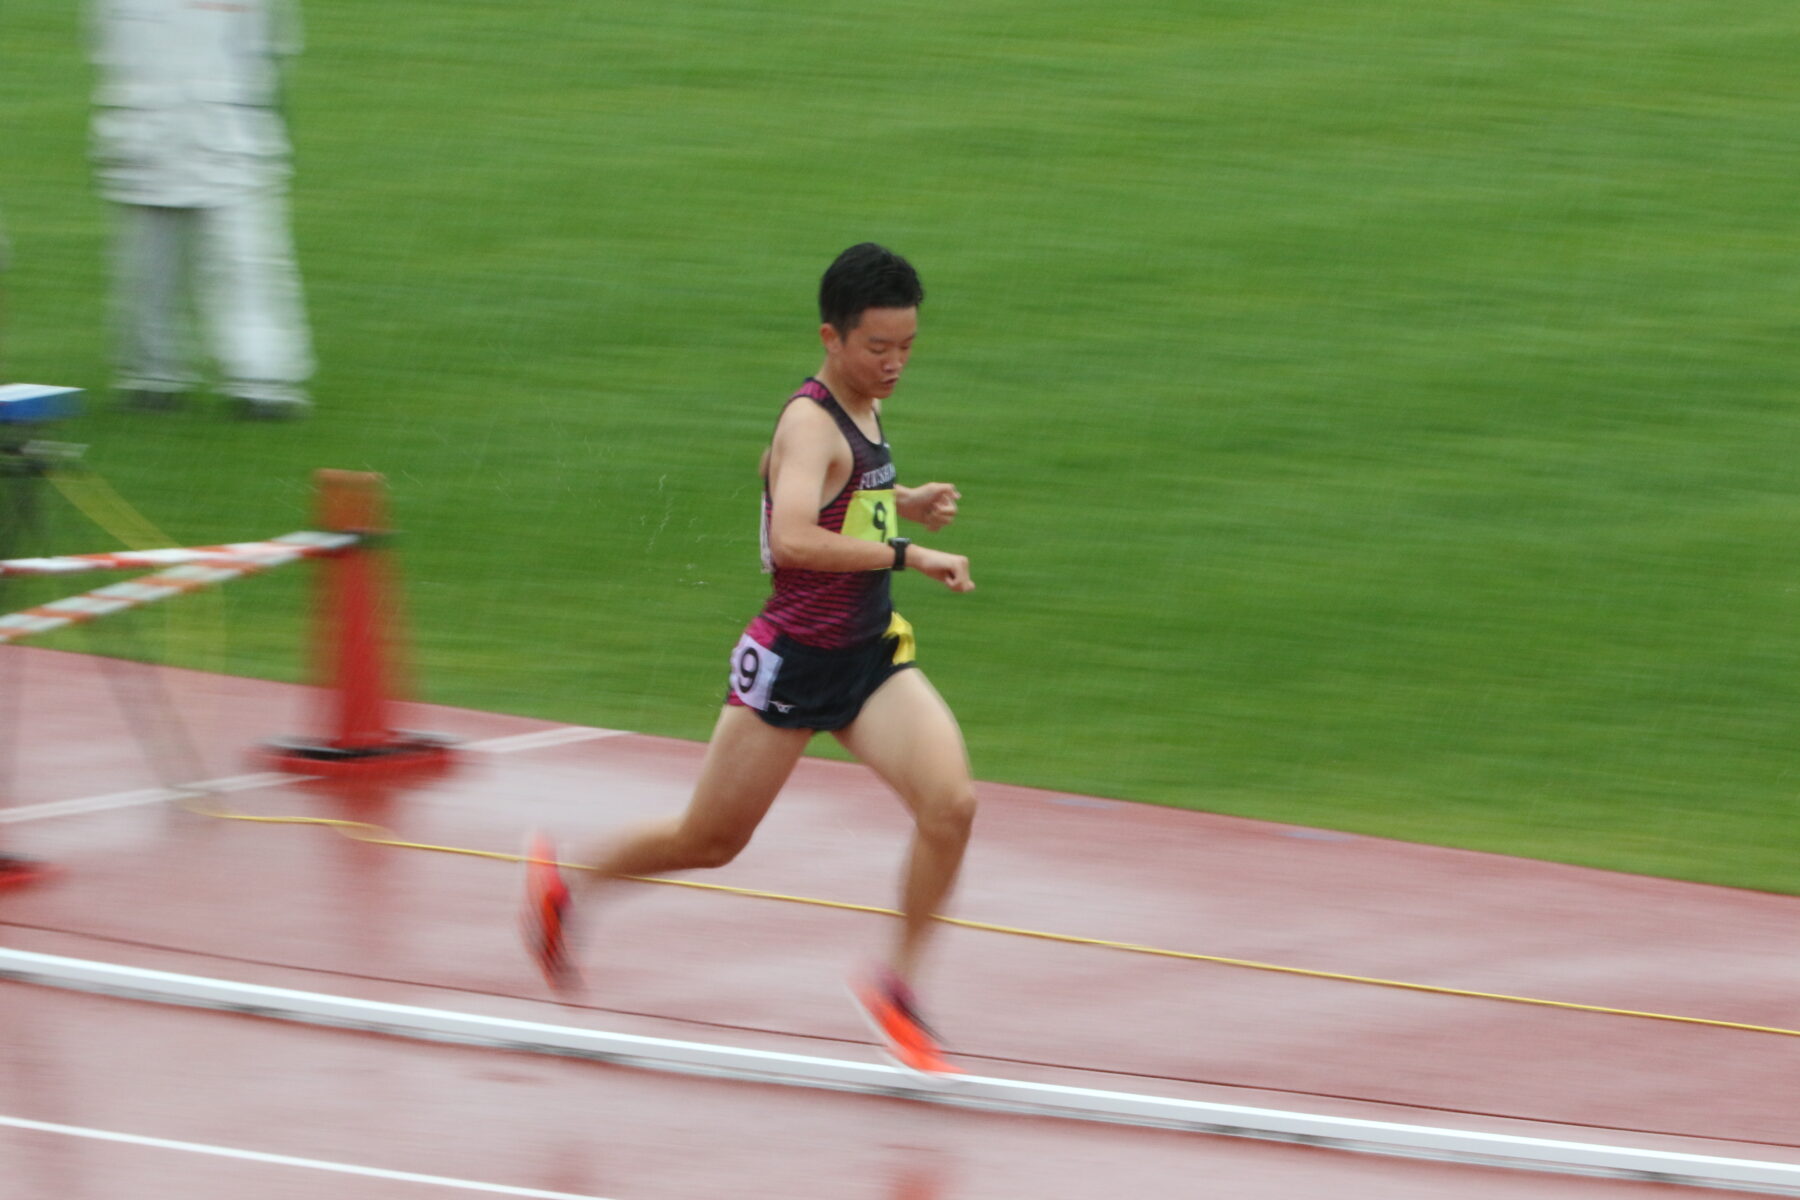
900 545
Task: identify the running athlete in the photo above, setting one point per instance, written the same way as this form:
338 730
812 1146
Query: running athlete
827 652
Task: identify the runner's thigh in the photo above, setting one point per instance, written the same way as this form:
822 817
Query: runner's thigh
907 735
746 764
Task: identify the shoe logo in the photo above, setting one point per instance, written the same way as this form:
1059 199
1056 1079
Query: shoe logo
778 706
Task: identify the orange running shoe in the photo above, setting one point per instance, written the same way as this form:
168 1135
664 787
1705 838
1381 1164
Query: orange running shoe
17 870
888 1006
546 915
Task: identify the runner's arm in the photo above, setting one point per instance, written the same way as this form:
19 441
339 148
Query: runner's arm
932 505
800 473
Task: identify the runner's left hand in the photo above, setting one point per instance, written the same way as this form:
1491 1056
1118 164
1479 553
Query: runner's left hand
932 505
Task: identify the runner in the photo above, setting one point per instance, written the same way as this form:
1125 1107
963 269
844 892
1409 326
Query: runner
827 652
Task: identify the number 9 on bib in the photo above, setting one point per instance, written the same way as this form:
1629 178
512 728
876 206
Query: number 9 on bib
753 670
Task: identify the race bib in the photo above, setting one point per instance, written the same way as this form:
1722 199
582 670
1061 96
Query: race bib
753 670
871 516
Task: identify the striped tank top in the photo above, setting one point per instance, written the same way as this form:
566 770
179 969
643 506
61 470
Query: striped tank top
830 609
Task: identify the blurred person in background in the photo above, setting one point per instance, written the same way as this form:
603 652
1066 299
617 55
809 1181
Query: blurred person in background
190 145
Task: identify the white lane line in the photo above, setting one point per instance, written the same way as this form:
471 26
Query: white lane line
143 796
967 1091
544 738
285 1160
512 744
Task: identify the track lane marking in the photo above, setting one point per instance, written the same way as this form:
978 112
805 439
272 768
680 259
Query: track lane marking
284 1160
541 739
140 797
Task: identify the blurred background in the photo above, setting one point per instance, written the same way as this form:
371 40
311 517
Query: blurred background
1369 415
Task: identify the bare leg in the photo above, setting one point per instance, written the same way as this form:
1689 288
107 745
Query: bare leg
907 735
747 762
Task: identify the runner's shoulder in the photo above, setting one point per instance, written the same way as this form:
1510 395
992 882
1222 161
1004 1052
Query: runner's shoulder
805 422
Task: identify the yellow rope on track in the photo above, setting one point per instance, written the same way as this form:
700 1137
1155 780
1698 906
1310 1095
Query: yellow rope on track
375 835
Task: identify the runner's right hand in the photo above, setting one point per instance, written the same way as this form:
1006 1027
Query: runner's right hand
951 570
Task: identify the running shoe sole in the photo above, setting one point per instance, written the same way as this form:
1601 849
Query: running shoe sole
930 1063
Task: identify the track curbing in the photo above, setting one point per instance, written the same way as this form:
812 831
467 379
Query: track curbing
965 1091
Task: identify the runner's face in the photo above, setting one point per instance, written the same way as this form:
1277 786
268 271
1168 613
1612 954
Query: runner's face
870 358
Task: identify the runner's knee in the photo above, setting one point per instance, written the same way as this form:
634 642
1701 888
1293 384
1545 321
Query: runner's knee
949 817
714 849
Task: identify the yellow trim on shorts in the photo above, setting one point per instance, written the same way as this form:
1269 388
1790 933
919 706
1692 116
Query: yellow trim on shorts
908 649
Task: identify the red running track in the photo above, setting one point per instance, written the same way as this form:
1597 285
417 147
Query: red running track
149 884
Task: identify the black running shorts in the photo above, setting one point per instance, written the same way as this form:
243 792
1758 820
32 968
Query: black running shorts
794 686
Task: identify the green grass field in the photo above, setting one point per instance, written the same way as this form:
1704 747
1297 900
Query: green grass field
1370 414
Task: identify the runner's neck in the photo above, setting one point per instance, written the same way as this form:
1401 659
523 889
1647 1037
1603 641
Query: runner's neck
864 410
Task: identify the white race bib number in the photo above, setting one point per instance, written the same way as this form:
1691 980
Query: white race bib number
753 670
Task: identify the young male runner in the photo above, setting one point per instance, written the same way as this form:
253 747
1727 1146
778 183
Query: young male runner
827 652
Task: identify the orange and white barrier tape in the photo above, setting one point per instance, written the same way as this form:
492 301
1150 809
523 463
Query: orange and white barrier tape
275 551
198 568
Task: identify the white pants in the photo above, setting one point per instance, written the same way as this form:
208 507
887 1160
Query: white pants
234 263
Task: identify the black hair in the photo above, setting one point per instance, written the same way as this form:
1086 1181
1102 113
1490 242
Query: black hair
863 277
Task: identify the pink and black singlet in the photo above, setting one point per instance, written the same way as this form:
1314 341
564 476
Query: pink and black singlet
829 609
827 640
